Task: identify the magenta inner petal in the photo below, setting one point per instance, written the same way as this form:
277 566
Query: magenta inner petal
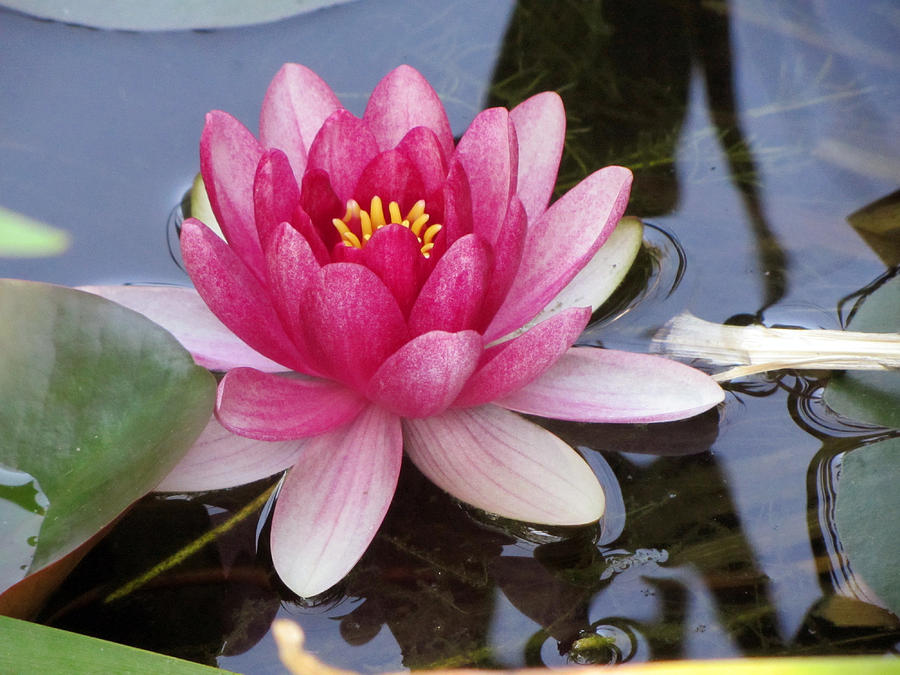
507 257
457 219
234 295
275 194
422 148
391 177
394 254
513 364
272 407
229 154
451 298
321 204
353 323
334 499
425 375
603 385
342 148
404 100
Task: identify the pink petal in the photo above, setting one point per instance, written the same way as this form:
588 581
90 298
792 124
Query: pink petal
540 123
296 105
602 385
220 459
353 323
507 257
393 178
424 376
182 312
278 408
275 194
318 200
499 462
292 267
229 154
513 364
489 153
234 294
395 255
342 148
452 296
560 243
333 501
458 220
603 273
423 149
404 100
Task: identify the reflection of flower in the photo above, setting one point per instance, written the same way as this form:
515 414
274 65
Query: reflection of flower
384 266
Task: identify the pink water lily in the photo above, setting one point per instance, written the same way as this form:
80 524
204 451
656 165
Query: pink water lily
378 276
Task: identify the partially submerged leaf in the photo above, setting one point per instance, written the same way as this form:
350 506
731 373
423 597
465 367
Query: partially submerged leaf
30 648
99 404
865 514
22 237
871 397
166 14
878 224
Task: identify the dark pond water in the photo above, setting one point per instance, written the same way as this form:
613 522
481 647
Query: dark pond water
754 129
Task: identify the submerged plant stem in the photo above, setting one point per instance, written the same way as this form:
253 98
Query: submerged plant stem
190 549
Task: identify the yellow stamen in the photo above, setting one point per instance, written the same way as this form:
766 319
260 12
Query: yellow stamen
373 220
365 223
430 234
394 208
377 212
416 211
418 223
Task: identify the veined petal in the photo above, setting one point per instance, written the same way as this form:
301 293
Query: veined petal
353 323
296 105
277 408
451 298
275 194
220 459
589 384
488 151
513 364
234 294
334 499
404 100
499 462
182 312
560 243
540 123
424 376
342 148
229 154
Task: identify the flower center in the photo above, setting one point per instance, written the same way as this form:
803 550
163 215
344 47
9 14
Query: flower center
374 219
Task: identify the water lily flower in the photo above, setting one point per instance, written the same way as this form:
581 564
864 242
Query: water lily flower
393 289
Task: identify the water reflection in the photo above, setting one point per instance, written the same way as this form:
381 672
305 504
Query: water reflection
625 71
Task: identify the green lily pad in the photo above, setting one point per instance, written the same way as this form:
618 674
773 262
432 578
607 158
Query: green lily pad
31 648
99 404
166 14
865 514
22 237
871 396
